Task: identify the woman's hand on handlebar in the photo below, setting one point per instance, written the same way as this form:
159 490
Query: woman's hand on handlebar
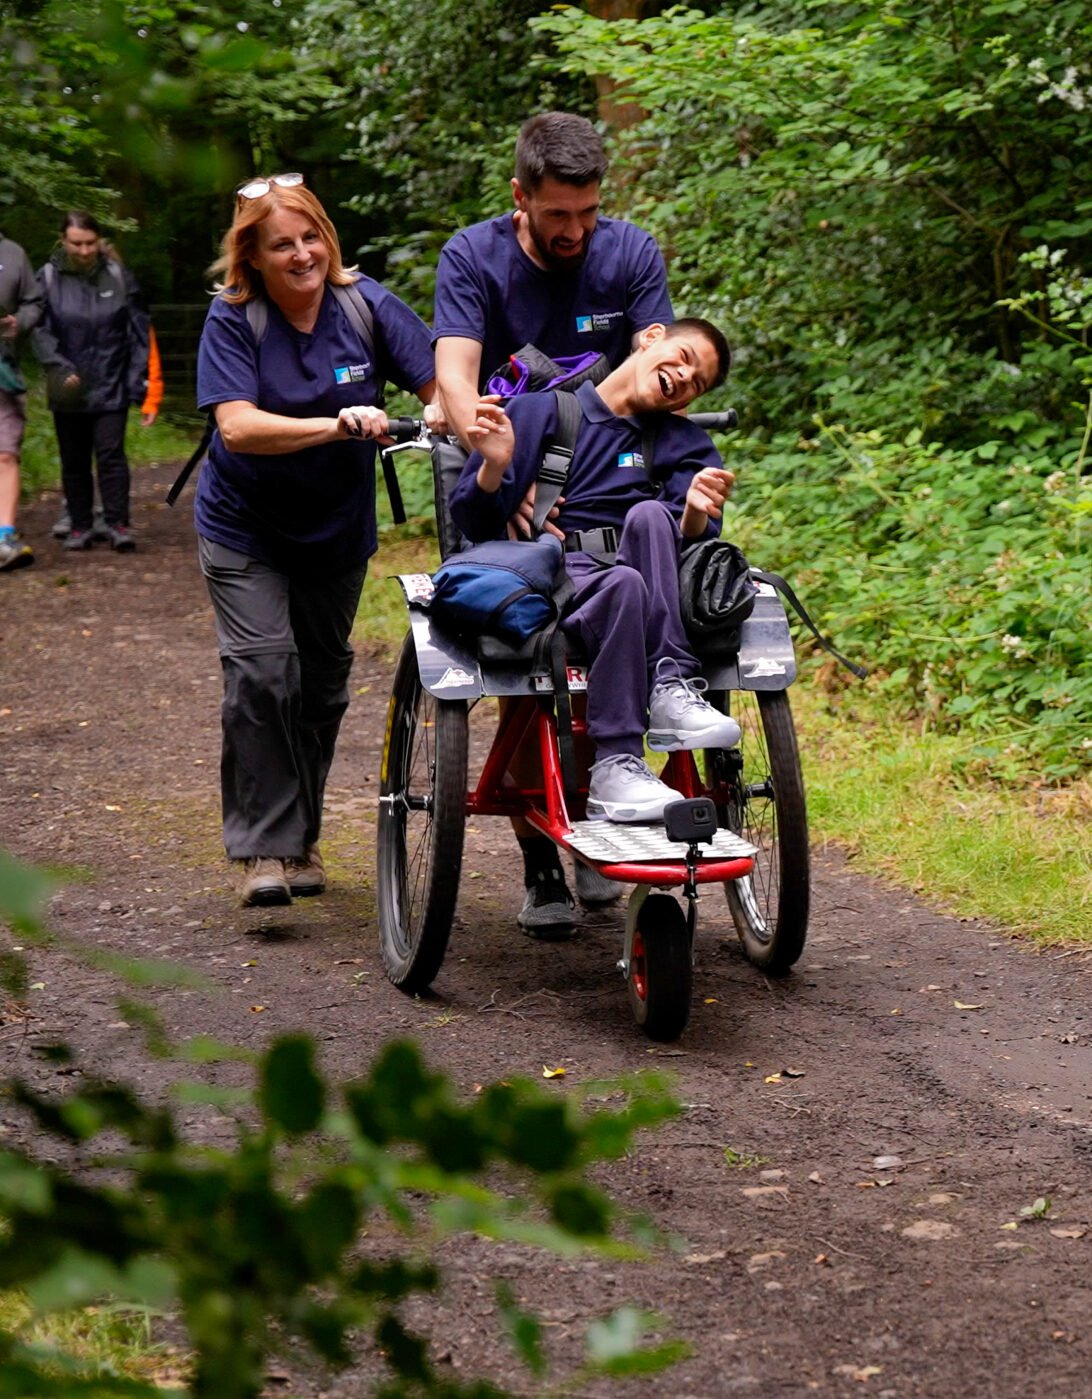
364 421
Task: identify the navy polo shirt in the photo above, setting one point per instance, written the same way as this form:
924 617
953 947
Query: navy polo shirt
310 511
488 289
607 477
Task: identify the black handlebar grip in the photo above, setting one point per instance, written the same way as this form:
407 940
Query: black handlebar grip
403 429
716 422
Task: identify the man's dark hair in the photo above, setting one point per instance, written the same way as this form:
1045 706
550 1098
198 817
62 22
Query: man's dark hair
696 326
559 146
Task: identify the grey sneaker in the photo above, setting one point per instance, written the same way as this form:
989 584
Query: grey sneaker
624 788
593 890
547 912
681 718
306 876
120 537
14 553
264 883
62 526
78 539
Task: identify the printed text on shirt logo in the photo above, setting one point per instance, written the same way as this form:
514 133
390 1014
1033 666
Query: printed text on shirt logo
599 321
351 373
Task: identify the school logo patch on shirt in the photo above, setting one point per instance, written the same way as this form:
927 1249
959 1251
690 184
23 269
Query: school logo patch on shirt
632 460
351 373
599 321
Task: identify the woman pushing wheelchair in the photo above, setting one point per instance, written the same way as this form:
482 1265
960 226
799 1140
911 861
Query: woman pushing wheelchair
643 481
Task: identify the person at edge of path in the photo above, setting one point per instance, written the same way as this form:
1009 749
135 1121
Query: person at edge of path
644 676
93 342
20 311
149 412
285 513
557 274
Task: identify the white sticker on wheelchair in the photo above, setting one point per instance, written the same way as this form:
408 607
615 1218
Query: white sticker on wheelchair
416 586
451 678
576 677
764 589
763 667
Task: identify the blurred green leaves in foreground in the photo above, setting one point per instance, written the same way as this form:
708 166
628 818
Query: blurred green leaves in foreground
321 1214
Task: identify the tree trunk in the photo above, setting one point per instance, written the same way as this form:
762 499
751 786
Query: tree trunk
617 116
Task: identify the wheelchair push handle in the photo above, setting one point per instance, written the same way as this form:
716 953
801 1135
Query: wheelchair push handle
406 429
715 422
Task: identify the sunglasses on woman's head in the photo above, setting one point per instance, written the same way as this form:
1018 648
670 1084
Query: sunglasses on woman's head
254 189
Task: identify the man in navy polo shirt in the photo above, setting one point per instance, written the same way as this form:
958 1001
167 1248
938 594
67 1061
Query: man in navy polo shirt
644 676
557 275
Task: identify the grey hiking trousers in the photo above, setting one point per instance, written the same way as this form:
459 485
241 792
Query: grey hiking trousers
285 655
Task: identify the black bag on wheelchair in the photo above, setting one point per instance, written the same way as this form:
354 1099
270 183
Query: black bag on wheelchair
716 595
504 588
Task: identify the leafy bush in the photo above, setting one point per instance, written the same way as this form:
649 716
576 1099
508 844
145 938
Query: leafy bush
876 201
261 1244
962 577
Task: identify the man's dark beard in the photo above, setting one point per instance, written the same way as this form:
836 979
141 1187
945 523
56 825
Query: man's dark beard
572 263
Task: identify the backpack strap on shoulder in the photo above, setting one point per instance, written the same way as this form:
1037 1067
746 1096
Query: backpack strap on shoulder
558 458
352 302
257 317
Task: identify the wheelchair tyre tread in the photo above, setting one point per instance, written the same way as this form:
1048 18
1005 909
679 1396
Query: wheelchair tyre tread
421 826
660 976
767 807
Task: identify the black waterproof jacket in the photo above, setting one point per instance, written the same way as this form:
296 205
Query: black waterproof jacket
95 325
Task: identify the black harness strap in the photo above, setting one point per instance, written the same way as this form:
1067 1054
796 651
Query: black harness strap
554 470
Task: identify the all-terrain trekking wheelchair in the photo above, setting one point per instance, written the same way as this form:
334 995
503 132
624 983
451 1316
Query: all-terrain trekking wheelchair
747 833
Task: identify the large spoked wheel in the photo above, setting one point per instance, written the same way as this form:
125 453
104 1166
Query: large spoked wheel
660 974
422 820
763 792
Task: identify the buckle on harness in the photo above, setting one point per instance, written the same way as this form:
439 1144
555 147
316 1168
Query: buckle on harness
602 543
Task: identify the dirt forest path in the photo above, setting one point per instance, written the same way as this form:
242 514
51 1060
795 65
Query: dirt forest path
852 1239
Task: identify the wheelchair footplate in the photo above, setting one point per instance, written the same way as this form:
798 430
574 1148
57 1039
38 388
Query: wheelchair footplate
640 854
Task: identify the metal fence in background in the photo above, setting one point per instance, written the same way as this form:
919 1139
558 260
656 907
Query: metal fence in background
177 330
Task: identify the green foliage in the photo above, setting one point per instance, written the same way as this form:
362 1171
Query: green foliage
851 186
433 97
962 577
883 204
262 1243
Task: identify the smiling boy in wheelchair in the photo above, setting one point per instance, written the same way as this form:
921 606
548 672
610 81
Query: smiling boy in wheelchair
643 482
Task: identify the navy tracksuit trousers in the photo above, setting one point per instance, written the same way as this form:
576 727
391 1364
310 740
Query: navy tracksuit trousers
628 619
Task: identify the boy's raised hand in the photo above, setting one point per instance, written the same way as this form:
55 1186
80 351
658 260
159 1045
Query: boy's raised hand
705 499
491 434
